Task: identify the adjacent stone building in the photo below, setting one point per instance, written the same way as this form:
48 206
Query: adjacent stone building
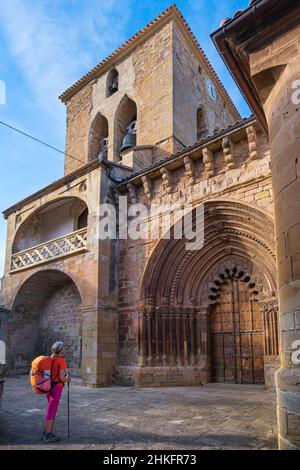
261 47
152 124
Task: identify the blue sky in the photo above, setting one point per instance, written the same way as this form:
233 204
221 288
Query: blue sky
45 46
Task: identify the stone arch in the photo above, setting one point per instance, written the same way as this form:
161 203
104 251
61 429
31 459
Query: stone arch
112 82
45 309
126 113
231 229
176 289
98 138
225 274
34 229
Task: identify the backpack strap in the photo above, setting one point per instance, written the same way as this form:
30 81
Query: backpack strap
53 382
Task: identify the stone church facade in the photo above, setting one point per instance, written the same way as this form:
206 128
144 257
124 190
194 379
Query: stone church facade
154 124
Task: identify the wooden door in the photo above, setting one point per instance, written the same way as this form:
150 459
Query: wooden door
236 332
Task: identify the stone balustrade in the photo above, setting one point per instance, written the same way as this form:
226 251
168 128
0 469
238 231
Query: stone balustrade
71 243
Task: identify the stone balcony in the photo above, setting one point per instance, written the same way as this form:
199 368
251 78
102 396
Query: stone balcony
70 244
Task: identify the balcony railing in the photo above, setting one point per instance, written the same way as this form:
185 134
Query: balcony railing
68 244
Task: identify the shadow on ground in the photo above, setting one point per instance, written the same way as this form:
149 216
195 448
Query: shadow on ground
214 417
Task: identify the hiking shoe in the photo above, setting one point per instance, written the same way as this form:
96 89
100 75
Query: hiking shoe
50 438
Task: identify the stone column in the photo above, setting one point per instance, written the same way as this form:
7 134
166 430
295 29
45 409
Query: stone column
283 116
98 345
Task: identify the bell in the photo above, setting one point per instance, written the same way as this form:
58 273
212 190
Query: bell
129 140
115 86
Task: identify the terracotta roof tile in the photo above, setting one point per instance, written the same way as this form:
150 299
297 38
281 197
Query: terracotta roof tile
242 122
237 13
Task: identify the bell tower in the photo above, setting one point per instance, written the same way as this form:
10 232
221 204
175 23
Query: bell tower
152 97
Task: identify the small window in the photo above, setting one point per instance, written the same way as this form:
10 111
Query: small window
202 130
112 82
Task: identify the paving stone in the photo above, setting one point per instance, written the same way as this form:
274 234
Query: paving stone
213 417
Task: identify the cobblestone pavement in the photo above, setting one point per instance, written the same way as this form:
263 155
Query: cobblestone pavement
214 417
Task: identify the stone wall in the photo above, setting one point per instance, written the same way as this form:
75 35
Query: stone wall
60 320
78 116
247 182
191 93
27 291
4 330
275 71
161 75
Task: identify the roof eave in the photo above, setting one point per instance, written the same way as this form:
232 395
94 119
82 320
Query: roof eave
234 36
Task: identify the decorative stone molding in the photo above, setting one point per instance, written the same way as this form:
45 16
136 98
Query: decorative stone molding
132 193
230 273
228 149
252 142
72 243
208 162
232 232
18 219
271 313
82 186
167 179
147 185
190 169
169 338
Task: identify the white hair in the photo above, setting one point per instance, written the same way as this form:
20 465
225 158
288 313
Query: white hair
57 347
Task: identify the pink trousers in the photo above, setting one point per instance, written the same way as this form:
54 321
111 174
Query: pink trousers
53 398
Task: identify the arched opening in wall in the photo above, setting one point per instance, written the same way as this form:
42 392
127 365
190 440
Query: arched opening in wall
202 125
125 126
112 84
47 308
98 138
83 219
55 220
214 309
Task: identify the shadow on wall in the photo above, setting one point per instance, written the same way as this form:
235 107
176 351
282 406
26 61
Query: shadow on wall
4 316
4 320
46 309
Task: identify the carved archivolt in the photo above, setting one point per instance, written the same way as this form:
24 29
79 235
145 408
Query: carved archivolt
235 267
235 235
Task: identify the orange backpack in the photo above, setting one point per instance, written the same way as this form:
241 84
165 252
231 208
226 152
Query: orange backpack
40 374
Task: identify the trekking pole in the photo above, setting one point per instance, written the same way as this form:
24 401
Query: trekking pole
68 410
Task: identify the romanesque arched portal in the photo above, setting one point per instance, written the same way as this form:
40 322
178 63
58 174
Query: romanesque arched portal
213 312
